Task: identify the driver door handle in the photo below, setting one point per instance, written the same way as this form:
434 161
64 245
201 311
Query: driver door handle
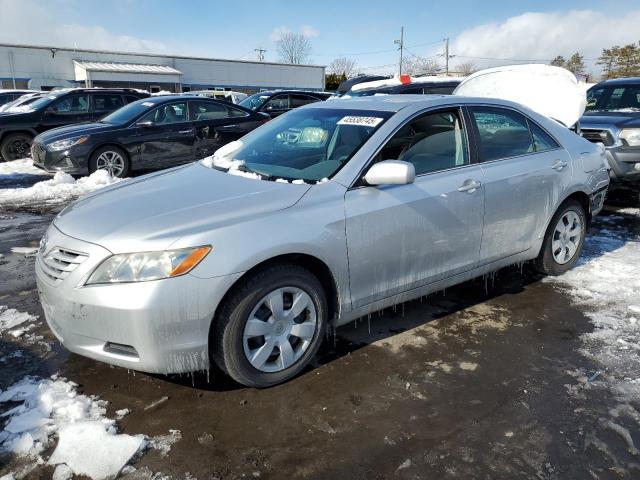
469 186
558 165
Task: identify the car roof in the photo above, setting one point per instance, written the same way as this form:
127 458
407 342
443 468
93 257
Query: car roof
621 81
395 103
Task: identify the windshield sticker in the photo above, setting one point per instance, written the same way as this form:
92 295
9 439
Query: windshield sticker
148 104
360 121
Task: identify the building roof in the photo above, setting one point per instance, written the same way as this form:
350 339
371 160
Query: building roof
93 66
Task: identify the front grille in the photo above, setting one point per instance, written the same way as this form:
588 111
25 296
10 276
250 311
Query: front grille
598 136
59 263
37 152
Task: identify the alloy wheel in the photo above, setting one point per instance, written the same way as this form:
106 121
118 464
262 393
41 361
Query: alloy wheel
566 237
19 149
279 329
112 162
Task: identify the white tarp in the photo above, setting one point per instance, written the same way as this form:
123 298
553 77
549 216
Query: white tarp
548 90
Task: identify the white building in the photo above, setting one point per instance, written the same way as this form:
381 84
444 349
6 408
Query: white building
36 67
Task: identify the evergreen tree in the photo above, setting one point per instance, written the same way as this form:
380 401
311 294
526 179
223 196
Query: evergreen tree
620 61
575 63
559 61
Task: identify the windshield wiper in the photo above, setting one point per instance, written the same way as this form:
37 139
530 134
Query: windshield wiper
244 168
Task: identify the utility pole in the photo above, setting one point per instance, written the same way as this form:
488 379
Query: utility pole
261 52
401 47
446 56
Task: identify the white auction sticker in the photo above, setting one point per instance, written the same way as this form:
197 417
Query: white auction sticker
360 121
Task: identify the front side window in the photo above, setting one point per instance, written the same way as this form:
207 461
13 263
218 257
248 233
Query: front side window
107 102
298 100
208 111
503 133
167 114
431 142
308 144
73 104
255 101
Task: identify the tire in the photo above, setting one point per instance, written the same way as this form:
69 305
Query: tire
110 158
560 253
233 342
16 146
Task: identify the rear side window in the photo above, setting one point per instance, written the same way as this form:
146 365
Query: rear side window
431 142
298 100
541 140
503 133
281 102
107 102
71 105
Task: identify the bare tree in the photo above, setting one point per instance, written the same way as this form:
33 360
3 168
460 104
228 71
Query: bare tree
467 68
293 48
416 66
343 65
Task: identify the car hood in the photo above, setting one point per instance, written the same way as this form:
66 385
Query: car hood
152 212
545 89
619 119
74 131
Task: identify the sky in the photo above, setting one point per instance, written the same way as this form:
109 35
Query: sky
486 33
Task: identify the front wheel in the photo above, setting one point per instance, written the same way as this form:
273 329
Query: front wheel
16 146
563 240
111 159
270 326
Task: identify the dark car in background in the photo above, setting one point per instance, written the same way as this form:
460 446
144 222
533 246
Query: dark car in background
7 95
152 133
345 86
56 109
416 86
612 117
277 102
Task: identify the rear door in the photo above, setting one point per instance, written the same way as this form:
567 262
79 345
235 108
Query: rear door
216 124
166 136
74 108
401 237
525 170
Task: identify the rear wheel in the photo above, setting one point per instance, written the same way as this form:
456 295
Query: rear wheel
15 146
111 159
564 239
271 326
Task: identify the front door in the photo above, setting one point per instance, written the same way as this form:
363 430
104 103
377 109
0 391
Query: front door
400 237
166 136
525 173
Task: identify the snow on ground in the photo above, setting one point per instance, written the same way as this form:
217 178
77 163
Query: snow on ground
59 190
88 442
606 284
11 318
17 168
26 251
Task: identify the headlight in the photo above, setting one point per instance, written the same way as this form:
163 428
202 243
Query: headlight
145 266
631 136
67 143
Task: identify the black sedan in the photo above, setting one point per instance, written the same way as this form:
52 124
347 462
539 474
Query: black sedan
152 133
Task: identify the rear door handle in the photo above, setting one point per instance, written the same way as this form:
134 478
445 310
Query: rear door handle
559 165
469 186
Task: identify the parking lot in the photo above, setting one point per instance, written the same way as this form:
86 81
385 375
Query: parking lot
507 376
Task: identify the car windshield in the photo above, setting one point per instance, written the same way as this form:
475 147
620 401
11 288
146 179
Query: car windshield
254 101
129 112
309 145
623 98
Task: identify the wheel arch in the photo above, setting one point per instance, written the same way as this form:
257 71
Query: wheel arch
27 131
109 144
316 266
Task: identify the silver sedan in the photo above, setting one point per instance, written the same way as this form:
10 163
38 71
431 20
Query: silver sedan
321 216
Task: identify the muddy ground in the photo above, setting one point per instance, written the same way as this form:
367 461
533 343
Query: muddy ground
485 381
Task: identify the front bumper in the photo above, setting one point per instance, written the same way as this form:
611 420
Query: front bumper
73 161
158 326
623 161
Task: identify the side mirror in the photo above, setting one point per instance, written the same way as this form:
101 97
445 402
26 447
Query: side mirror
147 124
391 172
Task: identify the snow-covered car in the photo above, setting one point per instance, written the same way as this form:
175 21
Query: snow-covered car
405 85
21 103
224 95
323 215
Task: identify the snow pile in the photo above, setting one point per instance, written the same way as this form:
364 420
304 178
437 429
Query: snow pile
88 442
11 318
59 190
606 283
19 168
